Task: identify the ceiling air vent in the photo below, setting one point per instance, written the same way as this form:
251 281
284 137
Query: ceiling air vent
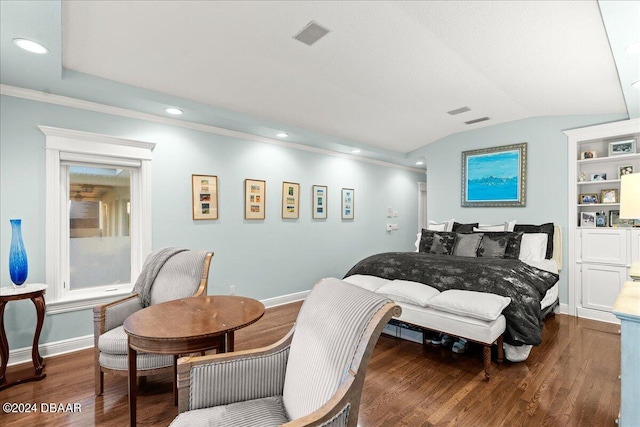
311 33
459 111
481 119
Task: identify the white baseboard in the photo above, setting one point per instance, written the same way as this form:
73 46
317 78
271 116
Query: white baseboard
563 309
56 348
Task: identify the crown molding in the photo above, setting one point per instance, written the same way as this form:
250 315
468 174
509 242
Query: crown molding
66 101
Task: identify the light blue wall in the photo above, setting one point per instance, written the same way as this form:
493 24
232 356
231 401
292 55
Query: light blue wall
546 174
263 259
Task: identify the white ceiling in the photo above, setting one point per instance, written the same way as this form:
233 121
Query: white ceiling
384 76
382 80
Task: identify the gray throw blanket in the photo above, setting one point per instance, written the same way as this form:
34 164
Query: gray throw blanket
152 266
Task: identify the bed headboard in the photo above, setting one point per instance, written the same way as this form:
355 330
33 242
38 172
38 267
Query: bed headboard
557 246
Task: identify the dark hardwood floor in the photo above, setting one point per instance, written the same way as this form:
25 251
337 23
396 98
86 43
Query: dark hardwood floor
569 380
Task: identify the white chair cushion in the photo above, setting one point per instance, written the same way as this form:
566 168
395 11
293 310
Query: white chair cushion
113 341
266 412
478 305
370 283
409 292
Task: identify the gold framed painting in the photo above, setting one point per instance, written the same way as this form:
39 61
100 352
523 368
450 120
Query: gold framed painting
255 192
290 200
204 197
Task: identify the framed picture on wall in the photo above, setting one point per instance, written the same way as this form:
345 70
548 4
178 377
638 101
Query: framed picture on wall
255 192
495 177
204 197
319 202
348 203
290 200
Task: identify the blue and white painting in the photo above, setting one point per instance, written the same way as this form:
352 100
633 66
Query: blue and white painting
494 177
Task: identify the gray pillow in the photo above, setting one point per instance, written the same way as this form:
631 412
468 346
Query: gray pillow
467 244
493 246
443 243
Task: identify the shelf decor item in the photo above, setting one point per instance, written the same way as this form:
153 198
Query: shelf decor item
204 192
609 195
586 155
588 199
588 219
495 177
624 170
598 177
254 198
18 265
627 146
290 200
319 196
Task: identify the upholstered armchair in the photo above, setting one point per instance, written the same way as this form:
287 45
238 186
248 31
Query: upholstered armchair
183 274
313 376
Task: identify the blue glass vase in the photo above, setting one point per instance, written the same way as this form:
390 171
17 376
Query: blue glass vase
18 266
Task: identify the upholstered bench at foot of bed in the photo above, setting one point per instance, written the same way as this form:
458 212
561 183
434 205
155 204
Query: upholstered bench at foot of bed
482 332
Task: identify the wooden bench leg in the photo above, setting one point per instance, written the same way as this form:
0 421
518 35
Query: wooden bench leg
486 353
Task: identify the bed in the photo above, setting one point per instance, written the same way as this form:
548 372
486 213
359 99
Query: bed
530 282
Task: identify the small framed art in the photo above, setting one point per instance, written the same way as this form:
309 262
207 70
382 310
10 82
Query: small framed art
609 196
290 200
255 192
622 147
204 197
319 206
588 219
624 170
586 155
347 203
598 177
588 199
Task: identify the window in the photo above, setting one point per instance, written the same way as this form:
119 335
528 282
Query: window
98 228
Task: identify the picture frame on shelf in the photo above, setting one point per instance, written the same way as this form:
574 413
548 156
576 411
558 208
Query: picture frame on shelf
609 195
586 155
348 203
627 146
204 197
588 199
255 192
319 202
290 200
624 170
588 219
598 177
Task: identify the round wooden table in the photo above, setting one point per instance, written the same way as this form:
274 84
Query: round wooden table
34 292
184 326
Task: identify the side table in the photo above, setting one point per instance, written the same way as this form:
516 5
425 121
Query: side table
34 292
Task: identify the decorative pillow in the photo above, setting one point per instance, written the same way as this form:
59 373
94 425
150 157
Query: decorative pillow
409 292
533 247
511 225
544 228
485 227
417 242
467 245
426 240
370 283
464 228
478 305
440 226
493 244
442 243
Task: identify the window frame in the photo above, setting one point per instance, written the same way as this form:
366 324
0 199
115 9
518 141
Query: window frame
64 146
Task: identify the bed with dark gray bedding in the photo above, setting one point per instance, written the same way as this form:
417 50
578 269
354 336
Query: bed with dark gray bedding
526 285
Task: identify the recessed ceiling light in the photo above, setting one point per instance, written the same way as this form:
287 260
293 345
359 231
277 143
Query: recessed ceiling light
636 84
282 134
419 162
633 48
356 151
174 111
30 46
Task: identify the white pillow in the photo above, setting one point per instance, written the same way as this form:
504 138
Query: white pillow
511 225
485 227
417 243
370 283
533 247
478 305
409 292
441 226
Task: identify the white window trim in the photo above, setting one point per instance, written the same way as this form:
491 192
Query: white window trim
72 144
